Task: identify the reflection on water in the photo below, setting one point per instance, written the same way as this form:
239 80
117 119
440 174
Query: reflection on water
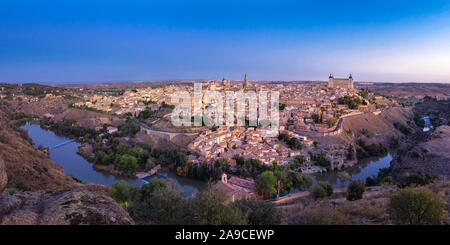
367 167
190 187
66 156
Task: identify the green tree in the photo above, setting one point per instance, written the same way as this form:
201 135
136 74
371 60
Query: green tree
209 208
122 192
355 190
266 183
160 202
416 207
332 122
259 212
321 189
301 181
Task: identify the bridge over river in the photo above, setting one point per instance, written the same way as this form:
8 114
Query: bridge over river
63 143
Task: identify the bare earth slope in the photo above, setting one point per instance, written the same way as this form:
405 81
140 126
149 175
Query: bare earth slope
29 167
381 127
424 153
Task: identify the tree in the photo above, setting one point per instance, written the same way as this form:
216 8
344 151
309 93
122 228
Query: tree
259 212
160 202
209 208
416 179
350 152
265 183
301 181
321 189
321 160
344 177
122 192
332 122
416 207
355 190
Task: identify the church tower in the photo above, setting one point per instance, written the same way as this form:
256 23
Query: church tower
246 83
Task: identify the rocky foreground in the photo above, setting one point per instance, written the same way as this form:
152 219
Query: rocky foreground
64 207
424 153
71 207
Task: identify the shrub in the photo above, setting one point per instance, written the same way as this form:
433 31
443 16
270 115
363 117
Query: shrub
416 207
415 179
382 178
355 190
321 189
122 192
259 212
319 215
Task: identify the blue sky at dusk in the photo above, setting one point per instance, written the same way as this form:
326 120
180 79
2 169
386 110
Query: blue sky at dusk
87 41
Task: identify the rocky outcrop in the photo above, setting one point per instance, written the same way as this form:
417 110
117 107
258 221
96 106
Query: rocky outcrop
424 153
3 176
70 207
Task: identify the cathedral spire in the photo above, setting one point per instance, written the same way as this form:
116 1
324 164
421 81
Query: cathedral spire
246 83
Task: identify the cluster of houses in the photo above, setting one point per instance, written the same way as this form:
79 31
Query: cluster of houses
131 101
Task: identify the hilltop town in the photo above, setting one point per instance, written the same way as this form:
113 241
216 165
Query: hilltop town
324 127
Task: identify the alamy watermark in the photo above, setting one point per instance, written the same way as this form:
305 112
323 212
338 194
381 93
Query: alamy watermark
212 108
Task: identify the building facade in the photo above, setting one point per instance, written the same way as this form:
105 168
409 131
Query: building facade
340 82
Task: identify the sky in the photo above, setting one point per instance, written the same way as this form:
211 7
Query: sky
93 41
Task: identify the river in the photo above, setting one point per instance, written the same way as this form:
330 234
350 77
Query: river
72 163
367 167
66 156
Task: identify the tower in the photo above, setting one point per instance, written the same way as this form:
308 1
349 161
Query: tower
350 86
246 83
330 81
225 82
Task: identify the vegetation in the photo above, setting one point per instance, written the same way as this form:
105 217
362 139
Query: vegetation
248 167
369 150
67 128
160 202
364 93
355 190
297 162
292 142
265 183
321 190
130 128
279 180
350 152
353 102
416 207
416 179
402 128
145 114
259 212
317 118
319 215
383 177
123 193
418 120
167 106
321 160
332 121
